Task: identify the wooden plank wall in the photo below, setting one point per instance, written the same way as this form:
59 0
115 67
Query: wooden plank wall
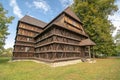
24 42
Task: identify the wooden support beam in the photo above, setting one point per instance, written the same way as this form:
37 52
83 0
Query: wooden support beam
93 52
89 51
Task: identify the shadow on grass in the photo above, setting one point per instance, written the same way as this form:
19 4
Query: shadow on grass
4 60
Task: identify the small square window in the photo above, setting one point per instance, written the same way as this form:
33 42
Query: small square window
28 39
27 49
21 48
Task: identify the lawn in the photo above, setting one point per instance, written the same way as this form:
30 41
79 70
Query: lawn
103 69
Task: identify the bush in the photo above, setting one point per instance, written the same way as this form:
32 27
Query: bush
6 52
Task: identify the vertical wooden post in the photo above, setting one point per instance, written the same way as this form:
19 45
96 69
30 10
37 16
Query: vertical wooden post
89 52
39 55
93 52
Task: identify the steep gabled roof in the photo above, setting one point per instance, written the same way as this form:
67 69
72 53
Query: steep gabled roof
33 21
87 42
71 13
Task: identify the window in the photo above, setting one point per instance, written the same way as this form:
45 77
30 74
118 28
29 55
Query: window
21 48
27 49
28 39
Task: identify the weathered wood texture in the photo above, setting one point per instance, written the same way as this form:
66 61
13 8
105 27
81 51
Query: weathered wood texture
58 44
24 43
56 41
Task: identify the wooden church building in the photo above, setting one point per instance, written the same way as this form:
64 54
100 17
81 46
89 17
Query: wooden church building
61 39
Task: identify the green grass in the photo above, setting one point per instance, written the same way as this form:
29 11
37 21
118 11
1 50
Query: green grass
103 69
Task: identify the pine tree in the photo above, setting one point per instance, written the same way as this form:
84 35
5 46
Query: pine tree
4 21
94 15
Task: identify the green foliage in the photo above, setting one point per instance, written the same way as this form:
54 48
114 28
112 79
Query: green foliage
94 15
7 52
4 21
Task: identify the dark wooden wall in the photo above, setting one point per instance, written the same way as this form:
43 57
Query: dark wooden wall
54 43
58 44
24 41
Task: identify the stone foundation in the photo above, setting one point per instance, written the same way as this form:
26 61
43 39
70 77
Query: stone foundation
55 64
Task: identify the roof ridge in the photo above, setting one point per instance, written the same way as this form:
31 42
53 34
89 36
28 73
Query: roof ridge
33 21
34 18
64 11
71 13
66 8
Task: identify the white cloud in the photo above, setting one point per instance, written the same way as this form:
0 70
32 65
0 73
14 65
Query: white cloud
117 25
16 9
41 4
66 3
115 19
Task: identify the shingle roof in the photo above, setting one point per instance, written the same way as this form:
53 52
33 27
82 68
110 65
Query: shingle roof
62 25
87 42
71 13
33 21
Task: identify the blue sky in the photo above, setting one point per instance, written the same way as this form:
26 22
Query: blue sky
44 10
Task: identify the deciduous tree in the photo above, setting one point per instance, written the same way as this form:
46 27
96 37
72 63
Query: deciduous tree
4 21
94 15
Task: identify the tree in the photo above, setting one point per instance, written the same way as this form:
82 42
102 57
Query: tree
7 52
4 21
94 15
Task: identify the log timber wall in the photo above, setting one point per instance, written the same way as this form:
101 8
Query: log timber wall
58 44
56 41
24 41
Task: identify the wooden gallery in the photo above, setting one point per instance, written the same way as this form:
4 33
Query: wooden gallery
59 40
